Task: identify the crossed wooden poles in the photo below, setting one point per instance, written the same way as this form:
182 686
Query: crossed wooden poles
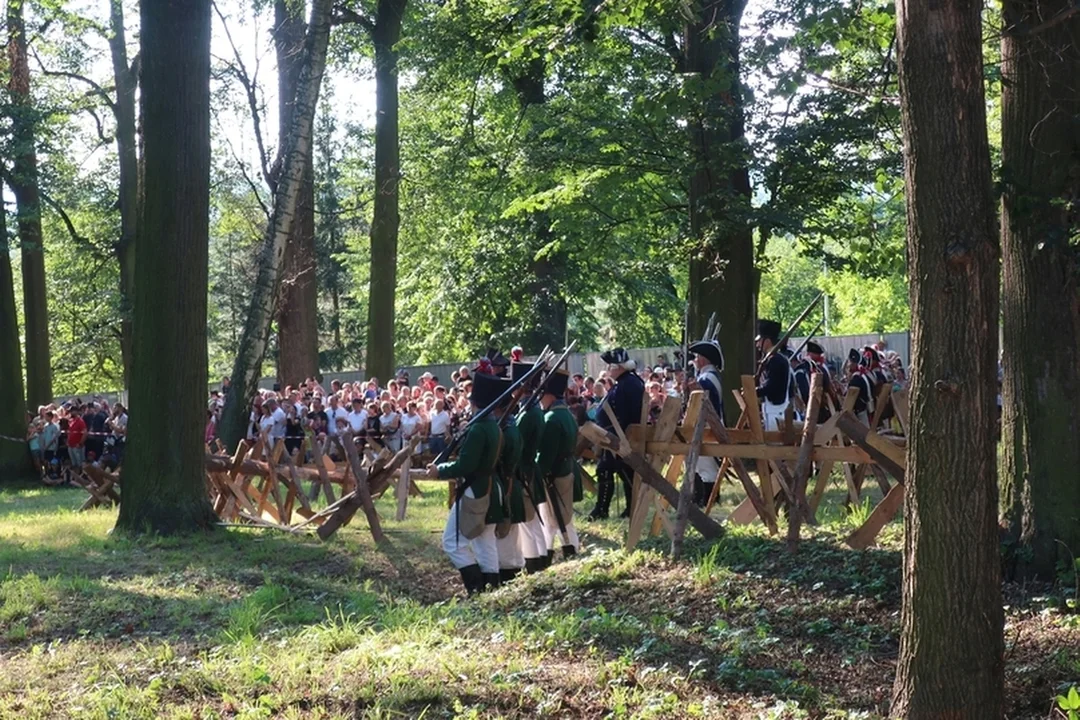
784 461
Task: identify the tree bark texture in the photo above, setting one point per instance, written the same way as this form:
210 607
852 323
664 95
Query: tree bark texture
379 352
24 185
722 264
126 78
14 456
294 155
951 648
164 480
298 320
1040 147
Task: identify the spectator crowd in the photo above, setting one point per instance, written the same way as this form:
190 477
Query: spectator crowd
63 437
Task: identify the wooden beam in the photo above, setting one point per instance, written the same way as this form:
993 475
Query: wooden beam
708 527
881 515
801 511
664 429
753 412
887 455
362 499
764 452
767 516
686 494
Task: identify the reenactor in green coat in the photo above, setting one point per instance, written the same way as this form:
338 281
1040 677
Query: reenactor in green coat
507 532
469 539
555 464
530 423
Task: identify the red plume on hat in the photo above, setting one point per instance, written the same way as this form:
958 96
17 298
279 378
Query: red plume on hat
516 353
484 367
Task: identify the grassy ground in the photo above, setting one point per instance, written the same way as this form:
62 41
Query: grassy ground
250 624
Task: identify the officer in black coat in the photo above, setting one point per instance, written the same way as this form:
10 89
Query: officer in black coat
625 400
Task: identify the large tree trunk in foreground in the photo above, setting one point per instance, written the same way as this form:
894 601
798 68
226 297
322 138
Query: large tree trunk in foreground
24 185
1040 147
294 154
126 78
951 662
164 482
14 456
722 267
379 353
298 320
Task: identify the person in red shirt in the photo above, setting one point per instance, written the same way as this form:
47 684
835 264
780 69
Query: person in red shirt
76 441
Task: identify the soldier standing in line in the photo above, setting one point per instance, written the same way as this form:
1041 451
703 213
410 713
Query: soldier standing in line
813 361
468 539
507 533
530 423
555 464
774 391
625 400
709 361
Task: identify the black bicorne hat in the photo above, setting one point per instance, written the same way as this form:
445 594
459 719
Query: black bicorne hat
814 348
710 350
486 389
556 382
768 329
615 357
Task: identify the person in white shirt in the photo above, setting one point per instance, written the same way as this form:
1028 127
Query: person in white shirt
390 425
439 431
358 416
410 423
333 413
277 421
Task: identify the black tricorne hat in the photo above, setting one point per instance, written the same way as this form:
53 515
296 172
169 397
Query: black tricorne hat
556 382
814 348
710 350
486 389
616 356
768 329
518 370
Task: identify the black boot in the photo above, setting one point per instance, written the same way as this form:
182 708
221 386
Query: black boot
699 491
550 559
568 551
472 578
491 581
508 574
628 491
605 489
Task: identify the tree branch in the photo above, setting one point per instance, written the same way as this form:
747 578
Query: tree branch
342 15
72 231
253 102
100 91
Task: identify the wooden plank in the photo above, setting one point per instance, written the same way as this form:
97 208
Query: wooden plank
363 496
881 515
641 494
708 527
693 409
686 493
767 516
890 457
764 452
665 427
403 488
753 412
801 511
880 403
900 405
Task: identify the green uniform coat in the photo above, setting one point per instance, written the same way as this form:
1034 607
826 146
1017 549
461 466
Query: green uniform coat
476 461
530 424
509 461
558 440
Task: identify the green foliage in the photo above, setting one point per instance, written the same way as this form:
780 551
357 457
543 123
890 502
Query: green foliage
1070 704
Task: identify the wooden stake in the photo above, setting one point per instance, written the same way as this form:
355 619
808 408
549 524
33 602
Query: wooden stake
800 510
686 495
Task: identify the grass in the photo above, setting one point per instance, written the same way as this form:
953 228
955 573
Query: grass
250 624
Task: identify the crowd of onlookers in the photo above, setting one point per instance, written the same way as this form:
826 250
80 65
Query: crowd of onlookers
66 435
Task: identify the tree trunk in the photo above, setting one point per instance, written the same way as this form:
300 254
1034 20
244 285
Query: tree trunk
951 647
293 154
24 185
164 481
126 78
722 266
14 456
384 225
1040 148
298 321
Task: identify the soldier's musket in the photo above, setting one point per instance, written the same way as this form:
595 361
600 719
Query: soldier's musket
808 338
538 390
795 326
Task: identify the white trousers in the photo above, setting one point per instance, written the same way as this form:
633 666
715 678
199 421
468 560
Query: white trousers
707 468
773 415
481 550
564 486
531 538
510 554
